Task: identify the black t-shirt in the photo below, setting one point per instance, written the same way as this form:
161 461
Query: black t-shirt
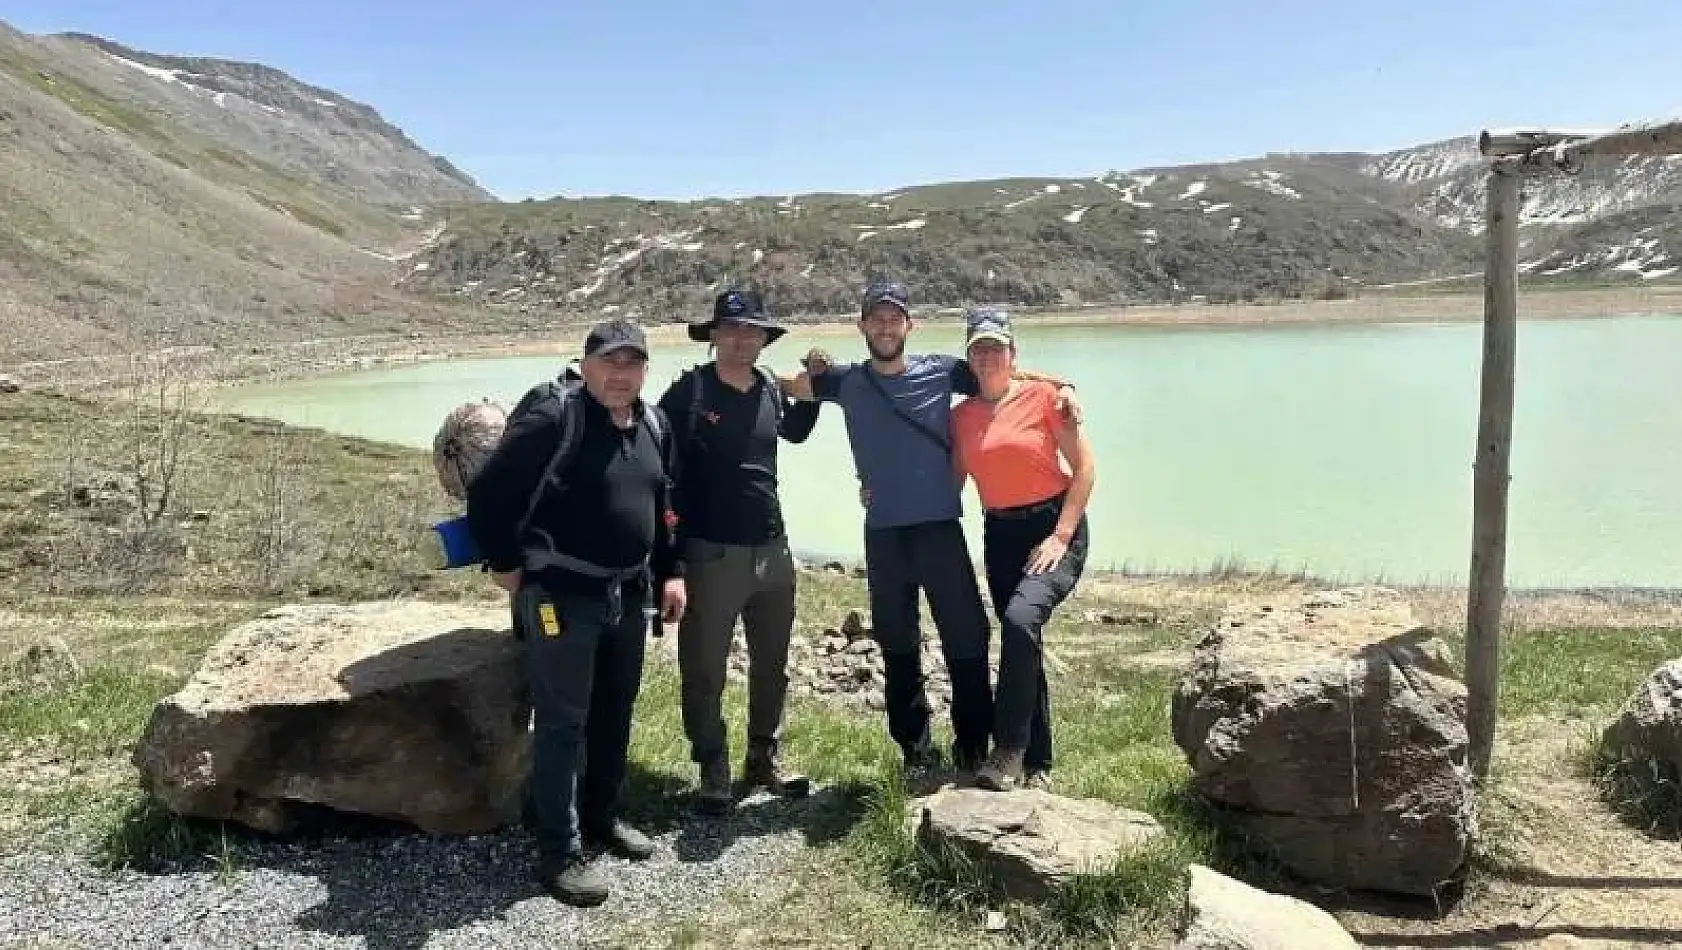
727 492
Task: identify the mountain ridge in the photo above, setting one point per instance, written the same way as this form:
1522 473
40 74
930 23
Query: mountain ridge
158 200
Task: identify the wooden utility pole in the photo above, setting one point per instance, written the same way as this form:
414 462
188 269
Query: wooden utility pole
1515 154
1494 454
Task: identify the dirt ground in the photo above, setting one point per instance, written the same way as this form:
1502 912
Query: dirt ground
1565 871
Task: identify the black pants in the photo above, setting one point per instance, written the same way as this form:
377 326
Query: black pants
933 559
584 674
1024 603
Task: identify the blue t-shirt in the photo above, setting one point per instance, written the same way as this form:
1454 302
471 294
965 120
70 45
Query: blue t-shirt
910 478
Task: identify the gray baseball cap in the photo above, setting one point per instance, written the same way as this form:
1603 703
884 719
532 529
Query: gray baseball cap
988 324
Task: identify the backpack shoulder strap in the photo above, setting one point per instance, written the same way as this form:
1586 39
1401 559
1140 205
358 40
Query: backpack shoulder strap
773 392
570 419
697 395
658 426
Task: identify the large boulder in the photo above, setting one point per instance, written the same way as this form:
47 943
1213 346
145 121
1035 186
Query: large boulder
407 711
1644 743
1332 725
1224 914
1030 841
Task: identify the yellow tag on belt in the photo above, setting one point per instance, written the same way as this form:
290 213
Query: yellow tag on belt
551 624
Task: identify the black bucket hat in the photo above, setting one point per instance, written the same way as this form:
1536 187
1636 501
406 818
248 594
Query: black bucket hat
738 306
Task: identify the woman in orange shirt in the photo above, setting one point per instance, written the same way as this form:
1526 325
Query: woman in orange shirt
1012 440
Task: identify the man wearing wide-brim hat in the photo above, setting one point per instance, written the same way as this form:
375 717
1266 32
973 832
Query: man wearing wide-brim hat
727 416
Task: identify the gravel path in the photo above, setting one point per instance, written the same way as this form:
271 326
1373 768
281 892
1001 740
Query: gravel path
402 893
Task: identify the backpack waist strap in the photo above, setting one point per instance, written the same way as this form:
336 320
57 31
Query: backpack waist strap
614 577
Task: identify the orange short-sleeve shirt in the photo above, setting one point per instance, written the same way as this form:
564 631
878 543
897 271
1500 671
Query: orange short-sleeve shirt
1010 448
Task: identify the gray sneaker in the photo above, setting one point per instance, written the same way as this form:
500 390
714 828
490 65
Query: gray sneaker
574 880
620 840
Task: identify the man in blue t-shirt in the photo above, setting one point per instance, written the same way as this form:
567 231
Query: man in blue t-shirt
898 411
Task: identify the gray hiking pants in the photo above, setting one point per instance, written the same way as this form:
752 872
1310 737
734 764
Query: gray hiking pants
726 581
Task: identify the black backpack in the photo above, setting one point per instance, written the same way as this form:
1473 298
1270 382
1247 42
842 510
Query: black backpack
568 390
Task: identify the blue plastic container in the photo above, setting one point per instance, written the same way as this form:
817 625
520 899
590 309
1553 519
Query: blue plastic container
457 543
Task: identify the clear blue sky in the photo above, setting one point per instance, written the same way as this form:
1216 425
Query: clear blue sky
686 98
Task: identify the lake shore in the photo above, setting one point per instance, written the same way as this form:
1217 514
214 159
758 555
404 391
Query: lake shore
226 365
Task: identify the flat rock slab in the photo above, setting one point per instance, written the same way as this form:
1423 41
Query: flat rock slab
1332 726
1225 914
397 710
1029 840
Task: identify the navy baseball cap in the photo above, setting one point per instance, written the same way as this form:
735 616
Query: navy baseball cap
613 335
987 324
886 291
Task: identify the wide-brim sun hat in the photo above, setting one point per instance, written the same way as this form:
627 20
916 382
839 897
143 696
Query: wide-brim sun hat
738 306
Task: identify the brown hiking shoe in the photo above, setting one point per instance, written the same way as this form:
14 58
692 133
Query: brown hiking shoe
761 770
714 797
1002 771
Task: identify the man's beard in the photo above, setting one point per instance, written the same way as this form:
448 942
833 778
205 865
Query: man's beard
898 350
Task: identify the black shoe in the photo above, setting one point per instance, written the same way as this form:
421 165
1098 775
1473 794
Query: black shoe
715 796
922 757
968 761
761 769
621 840
574 880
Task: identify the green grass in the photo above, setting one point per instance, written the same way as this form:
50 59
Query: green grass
98 715
291 512
1587 675
1579 672
86 100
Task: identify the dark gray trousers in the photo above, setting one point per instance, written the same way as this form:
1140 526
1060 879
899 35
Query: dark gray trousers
726 581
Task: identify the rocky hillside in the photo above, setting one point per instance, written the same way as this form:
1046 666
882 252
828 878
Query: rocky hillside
311 132
1292 225
129 220
1296 227
1612 220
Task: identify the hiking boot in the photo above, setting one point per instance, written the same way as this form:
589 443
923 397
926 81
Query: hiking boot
922 757
1002 771
761 770
574 880
621 840
714 797
968 761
